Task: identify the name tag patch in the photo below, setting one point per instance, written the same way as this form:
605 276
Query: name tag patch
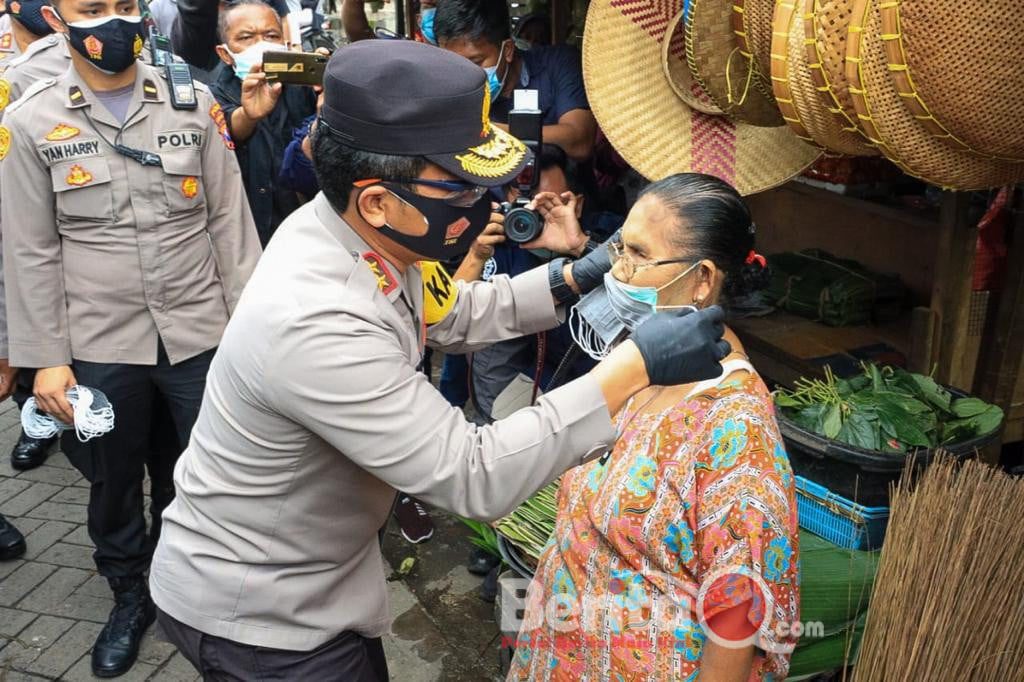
179 139
79 149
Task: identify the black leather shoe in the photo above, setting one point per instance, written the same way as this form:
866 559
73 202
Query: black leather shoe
117 647
12 542
481 561
28 452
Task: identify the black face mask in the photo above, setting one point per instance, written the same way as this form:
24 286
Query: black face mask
450 229
111 44
29 14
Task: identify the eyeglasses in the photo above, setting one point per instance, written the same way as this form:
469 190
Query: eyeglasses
462 194
629 268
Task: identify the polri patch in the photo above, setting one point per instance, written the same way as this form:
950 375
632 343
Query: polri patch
94 46
386 281
190 187
61 132
78 176
217 114
5 142
179 139
67 151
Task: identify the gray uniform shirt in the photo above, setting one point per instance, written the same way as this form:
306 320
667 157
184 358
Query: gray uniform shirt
314 414
104 257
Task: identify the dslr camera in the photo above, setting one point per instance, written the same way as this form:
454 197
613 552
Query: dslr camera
526 122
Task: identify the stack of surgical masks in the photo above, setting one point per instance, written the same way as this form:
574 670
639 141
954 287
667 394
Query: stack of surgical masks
94 416
605 315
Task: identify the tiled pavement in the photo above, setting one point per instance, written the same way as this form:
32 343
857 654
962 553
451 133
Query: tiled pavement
52 602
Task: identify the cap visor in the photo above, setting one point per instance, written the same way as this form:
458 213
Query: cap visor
496 161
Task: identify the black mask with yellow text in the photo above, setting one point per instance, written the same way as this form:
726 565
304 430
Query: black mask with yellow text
110 43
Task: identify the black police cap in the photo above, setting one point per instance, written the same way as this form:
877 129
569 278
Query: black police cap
411 99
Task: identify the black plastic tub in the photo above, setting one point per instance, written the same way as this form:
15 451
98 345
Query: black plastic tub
861 476
514 558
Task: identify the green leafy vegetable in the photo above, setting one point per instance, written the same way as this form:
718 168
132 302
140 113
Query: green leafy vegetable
886 409
833 421
969 407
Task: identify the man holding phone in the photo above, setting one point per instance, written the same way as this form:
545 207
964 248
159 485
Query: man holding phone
260 114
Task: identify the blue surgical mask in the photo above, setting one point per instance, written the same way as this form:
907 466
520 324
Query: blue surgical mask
607 313
252 55
494 84
427 25
647 296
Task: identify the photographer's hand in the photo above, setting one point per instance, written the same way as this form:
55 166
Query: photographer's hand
472 266
562 232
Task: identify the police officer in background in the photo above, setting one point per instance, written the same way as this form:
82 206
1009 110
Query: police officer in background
127 242
30 58
315 414
23 24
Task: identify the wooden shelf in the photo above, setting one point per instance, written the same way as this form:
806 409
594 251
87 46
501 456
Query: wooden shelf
784 346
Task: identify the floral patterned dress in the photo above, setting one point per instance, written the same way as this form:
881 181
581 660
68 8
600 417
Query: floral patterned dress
693 513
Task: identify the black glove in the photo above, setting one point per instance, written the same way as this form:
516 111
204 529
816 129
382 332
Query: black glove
588 272
682 346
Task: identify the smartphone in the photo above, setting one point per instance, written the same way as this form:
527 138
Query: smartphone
297 68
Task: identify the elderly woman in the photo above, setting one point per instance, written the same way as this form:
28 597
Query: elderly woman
675 556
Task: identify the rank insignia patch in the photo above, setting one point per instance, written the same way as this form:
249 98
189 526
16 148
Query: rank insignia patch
386 281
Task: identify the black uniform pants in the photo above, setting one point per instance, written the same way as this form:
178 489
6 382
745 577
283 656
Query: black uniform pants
163 453
349 657
23 386
151 403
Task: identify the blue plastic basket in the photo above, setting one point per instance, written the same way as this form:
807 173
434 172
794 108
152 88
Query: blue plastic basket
837 519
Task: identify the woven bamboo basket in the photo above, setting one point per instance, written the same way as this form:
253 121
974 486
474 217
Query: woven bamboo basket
827 23
887 121
960 70
716 62
821 124
677 71
752 26
785 10
657 132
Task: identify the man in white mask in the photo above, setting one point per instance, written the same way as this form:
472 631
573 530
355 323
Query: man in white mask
261 116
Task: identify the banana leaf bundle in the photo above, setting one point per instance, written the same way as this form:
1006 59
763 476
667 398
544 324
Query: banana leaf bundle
835 589
815 284
531 524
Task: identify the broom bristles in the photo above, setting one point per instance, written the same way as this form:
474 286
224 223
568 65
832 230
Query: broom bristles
948 601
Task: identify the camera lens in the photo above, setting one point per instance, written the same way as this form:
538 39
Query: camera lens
522 225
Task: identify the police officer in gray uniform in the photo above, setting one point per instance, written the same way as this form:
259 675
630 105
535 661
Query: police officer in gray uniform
21 26
33 46
315 414
127 241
